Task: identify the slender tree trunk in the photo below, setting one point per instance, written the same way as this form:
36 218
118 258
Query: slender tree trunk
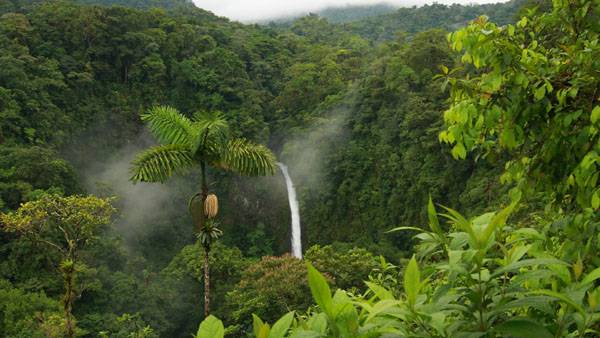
68 276
204 194
206 282
206 248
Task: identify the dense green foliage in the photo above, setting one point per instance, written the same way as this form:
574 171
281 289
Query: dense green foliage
534 96
487 276
31 171
28 314
354 13
356 111
416 19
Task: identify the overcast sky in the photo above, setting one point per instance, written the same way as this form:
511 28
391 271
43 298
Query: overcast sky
255 10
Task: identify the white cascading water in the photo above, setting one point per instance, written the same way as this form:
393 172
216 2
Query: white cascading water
296 241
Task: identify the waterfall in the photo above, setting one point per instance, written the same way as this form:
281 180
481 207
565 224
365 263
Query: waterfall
296 242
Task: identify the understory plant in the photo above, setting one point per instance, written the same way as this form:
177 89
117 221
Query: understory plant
483 277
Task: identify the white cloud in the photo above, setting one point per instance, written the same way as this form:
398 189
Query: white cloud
254 10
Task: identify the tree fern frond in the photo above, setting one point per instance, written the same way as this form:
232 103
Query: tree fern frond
169 126
209 127
248 158
159 163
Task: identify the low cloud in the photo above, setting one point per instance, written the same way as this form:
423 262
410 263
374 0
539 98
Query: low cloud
143 207
258 10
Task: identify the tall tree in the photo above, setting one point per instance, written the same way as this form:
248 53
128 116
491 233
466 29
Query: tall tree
65 225
203 141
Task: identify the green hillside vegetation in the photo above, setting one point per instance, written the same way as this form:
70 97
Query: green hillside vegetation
448 17
446 166
353 13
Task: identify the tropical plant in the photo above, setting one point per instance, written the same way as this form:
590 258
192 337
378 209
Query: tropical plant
129 326
268 288
532 94
347 266
203 141
64 225
485 277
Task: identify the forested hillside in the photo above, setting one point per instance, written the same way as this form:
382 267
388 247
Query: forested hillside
415 19
378 23
138 150
356 12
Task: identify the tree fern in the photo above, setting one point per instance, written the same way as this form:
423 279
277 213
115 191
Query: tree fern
169 126
248 158
159 163
203 141
210 130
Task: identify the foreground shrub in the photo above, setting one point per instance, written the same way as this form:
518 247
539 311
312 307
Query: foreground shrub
347 266
268 288
483 278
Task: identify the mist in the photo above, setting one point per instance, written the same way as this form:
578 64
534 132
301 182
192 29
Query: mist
145 210
307 153
261 10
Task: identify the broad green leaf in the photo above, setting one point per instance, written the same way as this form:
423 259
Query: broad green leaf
595 116
345 314
596 200
459 151
498 220
517 252
382 306
540 93
522 22
536 302
592 276
511 30
264 331
527 262
379 291
577 267
529 233
318 323
523 328
211 327
461 222
561 297
434 222
320 289
281 327
412 281
257 324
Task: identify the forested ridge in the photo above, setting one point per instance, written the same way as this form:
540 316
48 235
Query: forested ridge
138 147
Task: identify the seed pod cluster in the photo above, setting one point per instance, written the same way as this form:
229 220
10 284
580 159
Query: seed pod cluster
211 206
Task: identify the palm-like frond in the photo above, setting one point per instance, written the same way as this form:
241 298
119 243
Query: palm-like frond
209 233
169 126
210 128
159 163
247 158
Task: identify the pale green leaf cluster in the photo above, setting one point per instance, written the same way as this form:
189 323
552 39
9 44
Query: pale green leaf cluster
532 92
204 139
63 223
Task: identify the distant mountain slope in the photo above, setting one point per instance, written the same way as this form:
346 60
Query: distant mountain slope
353 13
19 5
415 19
142 4
367 23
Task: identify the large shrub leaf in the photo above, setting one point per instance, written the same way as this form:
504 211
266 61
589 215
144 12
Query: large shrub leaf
211 327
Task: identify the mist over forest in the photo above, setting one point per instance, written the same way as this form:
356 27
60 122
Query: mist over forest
443 161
